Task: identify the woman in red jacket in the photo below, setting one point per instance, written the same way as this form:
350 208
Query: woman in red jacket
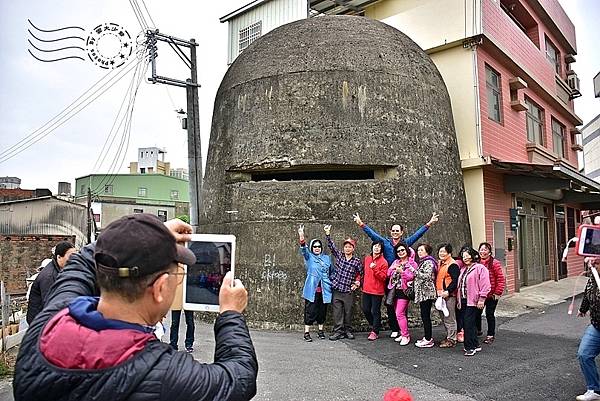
375 274
497 282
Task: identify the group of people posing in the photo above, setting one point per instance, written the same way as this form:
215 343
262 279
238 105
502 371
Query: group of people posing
394 274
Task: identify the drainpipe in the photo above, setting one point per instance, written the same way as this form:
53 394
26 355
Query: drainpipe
477 103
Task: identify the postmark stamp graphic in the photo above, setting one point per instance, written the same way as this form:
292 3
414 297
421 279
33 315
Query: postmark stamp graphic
109 45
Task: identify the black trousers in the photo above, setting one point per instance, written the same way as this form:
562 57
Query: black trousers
189 328
391 315
426 317
371 307
342 311
490 311
315 311
470 317
460 315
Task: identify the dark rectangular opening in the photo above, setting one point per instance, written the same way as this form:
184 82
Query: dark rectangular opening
315 175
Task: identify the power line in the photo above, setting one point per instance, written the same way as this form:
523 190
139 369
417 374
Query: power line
148 12
33 139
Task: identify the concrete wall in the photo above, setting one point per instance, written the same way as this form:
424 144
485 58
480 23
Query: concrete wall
339 94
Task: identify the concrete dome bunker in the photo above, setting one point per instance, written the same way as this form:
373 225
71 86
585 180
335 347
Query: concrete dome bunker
314 121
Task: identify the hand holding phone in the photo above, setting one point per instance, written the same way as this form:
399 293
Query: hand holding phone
588 243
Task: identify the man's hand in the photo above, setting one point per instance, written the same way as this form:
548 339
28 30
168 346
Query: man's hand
357 219
434 219
234 297
180 230
301 232
581 314
480 304
355 285
327 229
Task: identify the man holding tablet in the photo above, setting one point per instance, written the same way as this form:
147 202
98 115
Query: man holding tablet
85 347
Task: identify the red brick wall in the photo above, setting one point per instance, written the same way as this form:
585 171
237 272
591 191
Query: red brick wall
497 205
21 255
506 140
15 194
560 18
502 30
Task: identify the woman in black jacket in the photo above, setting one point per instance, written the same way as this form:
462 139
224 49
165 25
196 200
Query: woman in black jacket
40 289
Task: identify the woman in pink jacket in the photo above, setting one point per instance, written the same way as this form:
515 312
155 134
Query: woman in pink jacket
497 284
473 288
402 273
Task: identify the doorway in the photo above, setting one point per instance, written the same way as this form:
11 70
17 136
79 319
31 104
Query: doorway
533 236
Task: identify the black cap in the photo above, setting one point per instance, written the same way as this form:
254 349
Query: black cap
138 245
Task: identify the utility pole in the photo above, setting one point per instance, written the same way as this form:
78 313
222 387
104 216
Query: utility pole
193 116
89 215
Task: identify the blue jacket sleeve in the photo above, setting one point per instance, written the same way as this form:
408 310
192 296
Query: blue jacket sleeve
416 235
304 251
374 235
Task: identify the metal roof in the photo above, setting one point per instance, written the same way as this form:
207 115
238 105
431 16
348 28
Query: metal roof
339 7
242 10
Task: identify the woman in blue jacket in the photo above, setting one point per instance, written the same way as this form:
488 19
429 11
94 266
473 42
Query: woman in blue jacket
317 286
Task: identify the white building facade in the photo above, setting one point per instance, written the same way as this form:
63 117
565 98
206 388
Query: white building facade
591 148
255 19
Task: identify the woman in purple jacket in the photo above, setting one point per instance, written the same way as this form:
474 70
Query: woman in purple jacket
473 288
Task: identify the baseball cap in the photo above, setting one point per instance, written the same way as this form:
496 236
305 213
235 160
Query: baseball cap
138 245
350 241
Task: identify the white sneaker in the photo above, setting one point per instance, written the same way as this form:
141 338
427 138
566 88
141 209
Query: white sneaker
398 339
394 334
405 341
422 340
425 344
589 395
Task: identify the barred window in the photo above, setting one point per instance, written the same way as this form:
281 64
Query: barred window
558 138
249 34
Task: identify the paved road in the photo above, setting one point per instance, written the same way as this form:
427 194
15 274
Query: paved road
532 359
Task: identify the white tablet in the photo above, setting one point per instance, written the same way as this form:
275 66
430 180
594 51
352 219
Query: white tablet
215 256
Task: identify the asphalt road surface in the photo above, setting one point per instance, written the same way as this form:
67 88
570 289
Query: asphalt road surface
533 358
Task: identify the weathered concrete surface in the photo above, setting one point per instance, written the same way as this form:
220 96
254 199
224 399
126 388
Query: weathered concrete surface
326 95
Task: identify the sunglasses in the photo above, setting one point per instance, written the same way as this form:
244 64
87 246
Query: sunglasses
317 246
401 251
396 231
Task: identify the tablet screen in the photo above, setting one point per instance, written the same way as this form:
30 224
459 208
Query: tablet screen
204 278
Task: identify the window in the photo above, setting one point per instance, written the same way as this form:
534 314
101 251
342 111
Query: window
162 215
150 170
82 189
492 83
558 138
108 189
142 170
553 55
138 210
96 218
249 35
535 123
143 192
174 194
141 154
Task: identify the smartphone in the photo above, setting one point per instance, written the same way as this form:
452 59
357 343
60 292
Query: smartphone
215 256
588 242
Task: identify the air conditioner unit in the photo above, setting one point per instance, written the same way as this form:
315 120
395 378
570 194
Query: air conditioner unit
573 82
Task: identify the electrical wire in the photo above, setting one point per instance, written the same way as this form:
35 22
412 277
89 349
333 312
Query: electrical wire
148 12
127 118
52 126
